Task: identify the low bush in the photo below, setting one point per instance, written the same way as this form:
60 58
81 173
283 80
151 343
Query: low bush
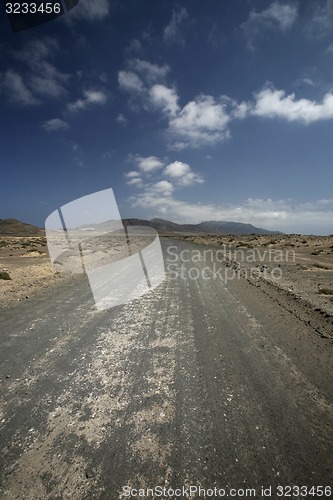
326 291
4 275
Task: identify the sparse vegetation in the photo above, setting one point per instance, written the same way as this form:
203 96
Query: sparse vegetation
320 266
4 275
325 291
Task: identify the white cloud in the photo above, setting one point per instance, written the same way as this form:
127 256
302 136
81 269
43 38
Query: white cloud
15 90
42 77
54 124
202 121
148 163
174 31
132 173
135 181
121 119
277 16
272 103
182 174
130 82
134 46
91 10
151 72
36 51
164 98
90 97
162 187
304 81
321 22
190 179
206 119
177 169
50 85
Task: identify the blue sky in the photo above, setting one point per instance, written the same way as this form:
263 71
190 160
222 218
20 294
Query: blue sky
191 111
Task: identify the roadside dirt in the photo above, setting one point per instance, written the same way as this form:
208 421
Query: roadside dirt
301 265
26 261
26 269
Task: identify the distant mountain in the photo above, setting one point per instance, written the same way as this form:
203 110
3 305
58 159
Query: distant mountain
223 227
14 227
162 225
212 227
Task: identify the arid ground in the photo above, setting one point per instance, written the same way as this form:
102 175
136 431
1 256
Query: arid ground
301 265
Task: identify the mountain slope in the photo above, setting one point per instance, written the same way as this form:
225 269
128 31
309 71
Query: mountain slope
214 227
14 227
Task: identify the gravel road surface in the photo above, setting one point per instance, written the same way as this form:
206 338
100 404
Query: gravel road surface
197 383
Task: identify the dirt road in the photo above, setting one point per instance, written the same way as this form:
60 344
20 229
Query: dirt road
199 382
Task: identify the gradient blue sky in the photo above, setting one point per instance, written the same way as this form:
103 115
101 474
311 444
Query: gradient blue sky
191 110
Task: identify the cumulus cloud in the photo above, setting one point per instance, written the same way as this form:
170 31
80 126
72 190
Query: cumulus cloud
135 181
206 119
174 31
182 174
190 179
272 103
201 121
162 187
177 169
164 98
150 168
132 173
148 163
91 97
55 124
140 75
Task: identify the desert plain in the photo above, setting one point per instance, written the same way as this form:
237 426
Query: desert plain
299 265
